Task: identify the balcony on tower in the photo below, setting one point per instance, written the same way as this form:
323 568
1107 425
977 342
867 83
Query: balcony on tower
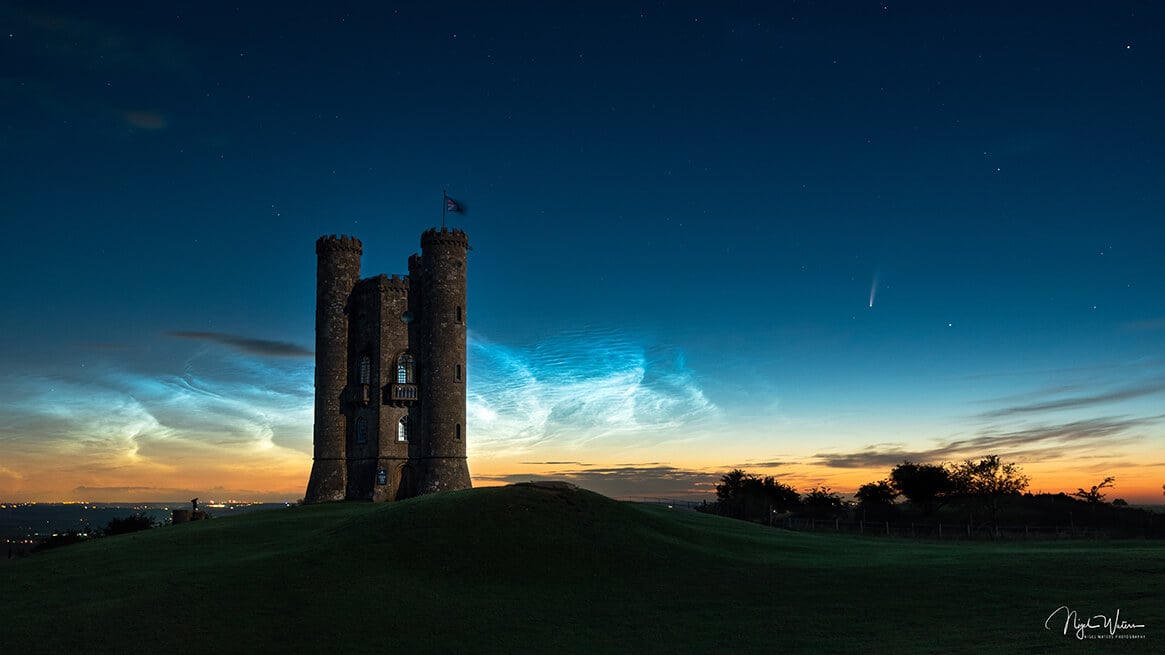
400 394
357 394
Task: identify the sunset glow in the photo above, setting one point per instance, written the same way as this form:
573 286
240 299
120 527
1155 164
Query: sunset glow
676 214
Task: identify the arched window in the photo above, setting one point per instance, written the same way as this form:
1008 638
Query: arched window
361 430
366 370
402 429
405 366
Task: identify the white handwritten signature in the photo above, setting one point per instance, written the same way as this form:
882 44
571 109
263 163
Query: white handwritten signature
1075 626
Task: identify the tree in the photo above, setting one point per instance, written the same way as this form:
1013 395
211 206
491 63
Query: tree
876 500
988 482
731 487
1094 495
821 503
127 524
780 496
924 485
747 496
876 494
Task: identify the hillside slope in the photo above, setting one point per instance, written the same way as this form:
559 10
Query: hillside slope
555 569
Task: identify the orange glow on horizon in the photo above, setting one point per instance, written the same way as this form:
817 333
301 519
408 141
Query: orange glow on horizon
279 479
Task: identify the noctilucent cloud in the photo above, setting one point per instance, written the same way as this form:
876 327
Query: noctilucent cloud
807 239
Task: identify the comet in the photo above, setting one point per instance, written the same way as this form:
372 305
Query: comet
873 290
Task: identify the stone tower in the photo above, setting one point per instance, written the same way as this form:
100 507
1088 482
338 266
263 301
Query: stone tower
390 373
337 271
441 341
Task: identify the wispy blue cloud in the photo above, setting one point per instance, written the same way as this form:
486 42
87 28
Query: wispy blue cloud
223 410
577 388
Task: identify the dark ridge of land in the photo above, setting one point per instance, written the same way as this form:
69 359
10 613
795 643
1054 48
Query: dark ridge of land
536 568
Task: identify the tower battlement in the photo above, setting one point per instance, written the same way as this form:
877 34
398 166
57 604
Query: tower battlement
445 235
382 282
343 242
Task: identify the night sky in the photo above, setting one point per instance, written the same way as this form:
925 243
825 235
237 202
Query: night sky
807 239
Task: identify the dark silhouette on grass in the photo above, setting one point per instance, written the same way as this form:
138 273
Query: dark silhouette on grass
746 496
1093 495
975 498
131 523
987 483
927 486
876 500
822 503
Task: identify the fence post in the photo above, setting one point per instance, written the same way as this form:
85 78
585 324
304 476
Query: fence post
887 528
836 524
862 527
940 530
912 529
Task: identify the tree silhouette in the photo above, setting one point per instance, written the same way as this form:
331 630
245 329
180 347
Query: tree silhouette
876 499
747 496
877 494
926 486
731 485
1093 495
127 524
821 503
988 482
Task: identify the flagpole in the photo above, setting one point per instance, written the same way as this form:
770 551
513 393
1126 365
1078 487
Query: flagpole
444 204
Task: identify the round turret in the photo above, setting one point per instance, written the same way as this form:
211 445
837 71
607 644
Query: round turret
441 333
337 271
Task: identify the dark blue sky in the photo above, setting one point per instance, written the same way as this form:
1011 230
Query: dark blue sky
815 236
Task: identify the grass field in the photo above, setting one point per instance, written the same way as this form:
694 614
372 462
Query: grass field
537 569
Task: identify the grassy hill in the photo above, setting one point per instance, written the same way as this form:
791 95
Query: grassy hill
542 569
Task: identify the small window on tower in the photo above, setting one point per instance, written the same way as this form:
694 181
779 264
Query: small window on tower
402 429
459 372
361 430
458 434
405 366
459 313
366 370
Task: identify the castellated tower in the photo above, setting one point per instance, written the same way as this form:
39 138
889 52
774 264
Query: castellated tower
337 270
390 373
441 340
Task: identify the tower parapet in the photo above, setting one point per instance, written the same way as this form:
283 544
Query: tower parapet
446 236
343 242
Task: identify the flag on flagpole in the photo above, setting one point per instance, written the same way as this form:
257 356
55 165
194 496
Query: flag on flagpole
452 205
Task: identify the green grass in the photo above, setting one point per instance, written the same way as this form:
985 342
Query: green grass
534 569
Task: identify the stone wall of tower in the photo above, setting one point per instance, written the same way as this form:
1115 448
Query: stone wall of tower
440 333
337 270
394 400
